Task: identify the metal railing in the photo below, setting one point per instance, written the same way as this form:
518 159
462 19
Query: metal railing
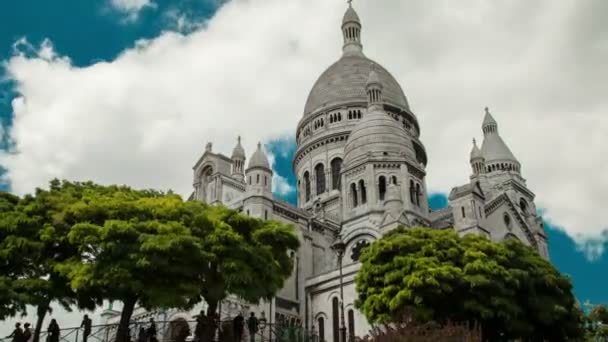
167 331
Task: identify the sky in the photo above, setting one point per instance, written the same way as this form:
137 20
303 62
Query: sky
130 91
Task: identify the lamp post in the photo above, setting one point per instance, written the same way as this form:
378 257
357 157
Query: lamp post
339 247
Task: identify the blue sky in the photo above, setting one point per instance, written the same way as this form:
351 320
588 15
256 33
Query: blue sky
88 32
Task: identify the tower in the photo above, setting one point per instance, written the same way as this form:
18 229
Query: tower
258 200
351 31
238 161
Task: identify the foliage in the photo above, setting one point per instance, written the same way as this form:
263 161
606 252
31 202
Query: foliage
133 246
596 323
506 287
247 257
425 332
33 242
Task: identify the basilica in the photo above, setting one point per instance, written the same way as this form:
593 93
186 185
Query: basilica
360 168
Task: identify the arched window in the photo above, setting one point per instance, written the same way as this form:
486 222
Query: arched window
351 325
249 180
320 175
381 188
335 319
412 192
353 194
336 167
362 191
265 180
394 180
321 324
507 219
257 179
265 214
418 194
523 205
307 186
463 213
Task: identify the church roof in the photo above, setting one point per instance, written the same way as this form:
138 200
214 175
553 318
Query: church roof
344 83
259 159
495 149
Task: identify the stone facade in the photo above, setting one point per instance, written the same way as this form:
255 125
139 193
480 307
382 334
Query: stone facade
360 167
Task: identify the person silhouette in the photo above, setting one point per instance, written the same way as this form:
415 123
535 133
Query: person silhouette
86 324
237 327
27 333
53 331
17 334
152 331
252 326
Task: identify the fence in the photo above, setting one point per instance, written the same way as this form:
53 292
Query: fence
168 331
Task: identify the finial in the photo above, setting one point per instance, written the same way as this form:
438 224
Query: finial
239 139
259 145
474 142
487 110
350 3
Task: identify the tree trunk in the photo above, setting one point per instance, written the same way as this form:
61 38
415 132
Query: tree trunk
211 325
122 335
41 311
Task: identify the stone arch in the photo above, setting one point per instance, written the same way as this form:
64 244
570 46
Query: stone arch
381 187
178 330
320 178
336 169
306 178
362 191
523 205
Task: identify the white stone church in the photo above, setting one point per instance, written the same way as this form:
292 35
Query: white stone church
360 168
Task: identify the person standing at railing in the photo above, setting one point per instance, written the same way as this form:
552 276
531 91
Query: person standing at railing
237 327
53 331
141 336
152 331
17 334
86 324
252 326
200 326
27 333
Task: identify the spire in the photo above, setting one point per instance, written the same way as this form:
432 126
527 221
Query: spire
351 31
238 152
475 152
489 124
373 88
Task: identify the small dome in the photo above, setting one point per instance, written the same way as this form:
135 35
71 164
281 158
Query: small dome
259 159
350 16
377 135
476 152
238 152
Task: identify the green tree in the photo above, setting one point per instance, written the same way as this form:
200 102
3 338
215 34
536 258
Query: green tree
135 247
247 257
33 241
506 287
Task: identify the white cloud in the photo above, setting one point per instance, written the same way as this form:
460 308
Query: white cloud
131 7
144 118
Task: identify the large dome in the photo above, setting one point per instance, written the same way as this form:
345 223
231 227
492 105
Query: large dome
377 135
344 82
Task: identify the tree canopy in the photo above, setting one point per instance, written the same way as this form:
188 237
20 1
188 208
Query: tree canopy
140 247
33 242
505 287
